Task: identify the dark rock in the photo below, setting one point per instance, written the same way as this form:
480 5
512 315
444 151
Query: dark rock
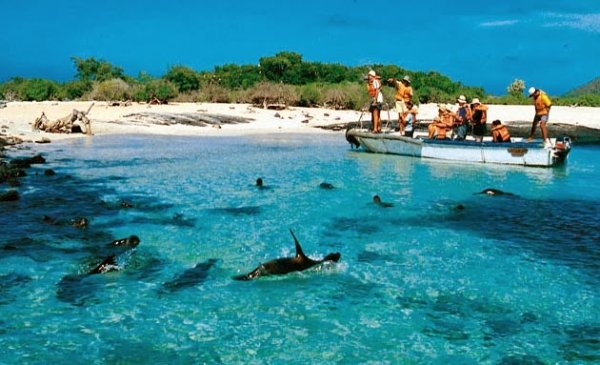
49 172
9 196
8 172
43 140
13 182
28 161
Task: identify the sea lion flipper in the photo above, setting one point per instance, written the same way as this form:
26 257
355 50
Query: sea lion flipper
299 251
107 265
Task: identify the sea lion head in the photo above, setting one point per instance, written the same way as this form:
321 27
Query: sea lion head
335 257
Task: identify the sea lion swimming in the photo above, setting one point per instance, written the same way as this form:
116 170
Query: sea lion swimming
491 191
190 277
111 263
286 265
377 201
78 288
260 184
326 186
131 242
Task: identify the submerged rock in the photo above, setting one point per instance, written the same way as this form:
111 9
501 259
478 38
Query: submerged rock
11 195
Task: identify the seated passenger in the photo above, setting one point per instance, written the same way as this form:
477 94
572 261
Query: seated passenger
500 132
442 123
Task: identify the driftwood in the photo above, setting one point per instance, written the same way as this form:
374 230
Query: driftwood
75 122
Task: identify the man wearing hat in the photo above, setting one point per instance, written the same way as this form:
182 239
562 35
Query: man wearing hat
462 118
404 94
542 104
479 119
374 87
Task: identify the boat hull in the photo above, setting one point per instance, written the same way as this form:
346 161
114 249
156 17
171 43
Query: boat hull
518 153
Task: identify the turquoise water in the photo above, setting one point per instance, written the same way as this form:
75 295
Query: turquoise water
507 279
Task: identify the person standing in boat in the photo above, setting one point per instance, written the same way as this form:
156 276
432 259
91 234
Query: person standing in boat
542 104
410 119
479 119
404 95
374 87
500 132
462 119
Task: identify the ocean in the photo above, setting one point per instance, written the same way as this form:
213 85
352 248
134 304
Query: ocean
445 275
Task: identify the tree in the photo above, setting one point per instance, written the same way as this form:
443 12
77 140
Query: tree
234 76
91 69
283 67
516 87
184 78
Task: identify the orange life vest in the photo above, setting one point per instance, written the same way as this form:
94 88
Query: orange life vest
483 109
542 104
372 89
403 92
500 134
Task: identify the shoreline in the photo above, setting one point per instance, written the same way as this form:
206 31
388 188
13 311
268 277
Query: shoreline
17 118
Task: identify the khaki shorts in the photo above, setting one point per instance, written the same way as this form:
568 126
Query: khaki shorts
401 107
541 118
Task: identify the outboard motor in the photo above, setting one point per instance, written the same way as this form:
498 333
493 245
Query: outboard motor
351 139
562 147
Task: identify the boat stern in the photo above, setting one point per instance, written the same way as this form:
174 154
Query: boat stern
561 149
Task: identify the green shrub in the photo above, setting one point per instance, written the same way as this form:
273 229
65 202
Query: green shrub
184 78
73 90
39 90
160 89
311 95
12 89
115 89
270 93
235 76
214 93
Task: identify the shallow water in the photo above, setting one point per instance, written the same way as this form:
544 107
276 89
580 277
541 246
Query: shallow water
507 279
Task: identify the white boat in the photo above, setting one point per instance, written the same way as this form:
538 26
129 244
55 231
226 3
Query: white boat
517 152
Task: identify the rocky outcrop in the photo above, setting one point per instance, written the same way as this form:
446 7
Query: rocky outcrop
9 196
193 119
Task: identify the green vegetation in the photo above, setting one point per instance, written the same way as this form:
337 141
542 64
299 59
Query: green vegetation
592 87
283 78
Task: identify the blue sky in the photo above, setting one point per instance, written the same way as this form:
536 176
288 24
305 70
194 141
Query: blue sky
554 45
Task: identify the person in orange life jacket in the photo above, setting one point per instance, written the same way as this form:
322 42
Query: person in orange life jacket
500 132
410 119
374 87
542 104
479 119
462 118
404 94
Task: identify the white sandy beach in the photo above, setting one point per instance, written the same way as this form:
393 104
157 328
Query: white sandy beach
16 118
